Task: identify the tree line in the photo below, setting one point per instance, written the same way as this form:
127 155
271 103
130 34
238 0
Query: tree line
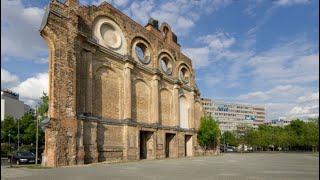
299 135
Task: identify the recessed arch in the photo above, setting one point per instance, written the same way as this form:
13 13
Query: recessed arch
107 93
184 112
141 101
165 107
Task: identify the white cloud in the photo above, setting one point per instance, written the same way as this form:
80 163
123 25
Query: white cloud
291 2
276 110
181 15
278 93
286 100
218 41
304 111
309 97
41 60
199 56
32 88
8 79
289 62
19 31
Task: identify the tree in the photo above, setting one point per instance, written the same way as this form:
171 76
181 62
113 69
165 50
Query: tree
28 130
43 106
296 130
229 138
311 134
8 126
242 133
208 132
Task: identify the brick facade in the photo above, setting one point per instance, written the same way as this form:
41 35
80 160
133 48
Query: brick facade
105 102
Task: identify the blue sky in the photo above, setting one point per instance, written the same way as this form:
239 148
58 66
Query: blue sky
258 52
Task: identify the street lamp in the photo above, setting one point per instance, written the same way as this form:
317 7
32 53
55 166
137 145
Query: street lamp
9 143
18 134
37 135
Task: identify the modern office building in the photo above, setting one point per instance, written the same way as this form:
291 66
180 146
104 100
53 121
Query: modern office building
12 106
231 115
281 122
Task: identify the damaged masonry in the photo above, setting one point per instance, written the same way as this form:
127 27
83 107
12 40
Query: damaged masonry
117 90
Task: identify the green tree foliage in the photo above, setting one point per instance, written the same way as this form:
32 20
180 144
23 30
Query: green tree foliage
28 129
208 133
311 134
298 135
8 126
43 106
242 134
5 149
229 138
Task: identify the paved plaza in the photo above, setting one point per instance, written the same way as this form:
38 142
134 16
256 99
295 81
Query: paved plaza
282 166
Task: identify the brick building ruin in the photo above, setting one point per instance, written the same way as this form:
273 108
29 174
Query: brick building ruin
117 90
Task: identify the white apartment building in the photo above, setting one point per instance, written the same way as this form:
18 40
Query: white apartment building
12 106
231 115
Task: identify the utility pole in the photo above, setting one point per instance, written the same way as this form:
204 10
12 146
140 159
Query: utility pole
37 135
224 144
9 143
18 134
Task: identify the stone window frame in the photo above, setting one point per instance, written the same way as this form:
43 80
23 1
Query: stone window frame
146 48
186 71
168 62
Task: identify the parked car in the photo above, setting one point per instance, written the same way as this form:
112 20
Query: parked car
19 157
229 149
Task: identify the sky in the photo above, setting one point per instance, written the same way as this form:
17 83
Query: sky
259 52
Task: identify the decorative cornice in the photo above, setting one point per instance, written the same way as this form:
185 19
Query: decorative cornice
129 122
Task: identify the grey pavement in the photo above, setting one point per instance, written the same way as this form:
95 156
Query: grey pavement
284 166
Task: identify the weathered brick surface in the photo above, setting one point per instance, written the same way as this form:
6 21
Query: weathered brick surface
102 96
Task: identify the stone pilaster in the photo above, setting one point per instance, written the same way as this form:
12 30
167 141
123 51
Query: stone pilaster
176 114
191 118
125 143
155 99
89 102
127 90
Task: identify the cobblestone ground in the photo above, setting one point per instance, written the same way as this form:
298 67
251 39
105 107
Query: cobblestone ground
300 166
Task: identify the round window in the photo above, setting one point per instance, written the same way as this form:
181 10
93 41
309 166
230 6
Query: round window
184 75
166 66
110 36
142 53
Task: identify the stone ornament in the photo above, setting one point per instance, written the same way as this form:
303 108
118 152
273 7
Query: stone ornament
108 34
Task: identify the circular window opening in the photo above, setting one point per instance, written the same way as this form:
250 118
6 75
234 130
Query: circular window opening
184 75
142 53
166 66
110 36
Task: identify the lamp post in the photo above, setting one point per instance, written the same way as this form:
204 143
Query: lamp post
224 144
37 135
9 143
18 134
